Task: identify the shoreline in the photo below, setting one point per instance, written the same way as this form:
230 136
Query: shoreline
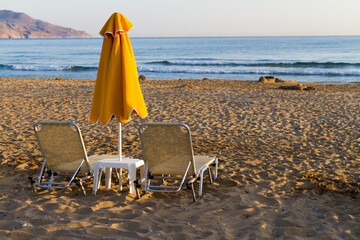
288 162
181 79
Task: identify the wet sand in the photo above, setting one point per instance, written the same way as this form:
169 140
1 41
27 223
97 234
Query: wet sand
289 162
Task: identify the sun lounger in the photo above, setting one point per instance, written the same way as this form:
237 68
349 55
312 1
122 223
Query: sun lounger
65 160
168 155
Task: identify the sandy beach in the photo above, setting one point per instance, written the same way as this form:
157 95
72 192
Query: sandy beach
289 162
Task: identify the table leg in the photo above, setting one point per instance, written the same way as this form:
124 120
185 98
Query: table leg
108 177
132 178
120 179
95 183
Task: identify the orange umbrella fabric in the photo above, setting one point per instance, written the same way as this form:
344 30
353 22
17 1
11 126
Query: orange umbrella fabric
117 89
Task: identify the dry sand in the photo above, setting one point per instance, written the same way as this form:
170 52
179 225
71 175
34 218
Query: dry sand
289 163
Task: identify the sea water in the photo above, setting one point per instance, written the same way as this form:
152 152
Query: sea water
306 59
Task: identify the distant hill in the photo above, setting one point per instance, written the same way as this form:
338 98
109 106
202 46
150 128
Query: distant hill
20 25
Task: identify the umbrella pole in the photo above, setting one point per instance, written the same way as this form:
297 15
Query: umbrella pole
120 143
120 156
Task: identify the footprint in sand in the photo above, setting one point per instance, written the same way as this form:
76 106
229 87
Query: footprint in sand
133 226
19 234
10 225
103 231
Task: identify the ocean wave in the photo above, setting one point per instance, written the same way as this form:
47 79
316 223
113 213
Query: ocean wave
5 67
201 70
80 68
267 72
298 64
46 68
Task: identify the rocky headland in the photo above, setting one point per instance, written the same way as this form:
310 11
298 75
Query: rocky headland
20 25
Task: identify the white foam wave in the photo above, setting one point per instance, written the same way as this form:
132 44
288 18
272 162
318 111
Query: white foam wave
38 68
306 72
49 68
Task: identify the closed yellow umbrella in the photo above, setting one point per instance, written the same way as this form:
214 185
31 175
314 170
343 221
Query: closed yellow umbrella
117 91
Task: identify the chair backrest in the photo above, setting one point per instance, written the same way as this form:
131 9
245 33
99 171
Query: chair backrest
167 148
62 146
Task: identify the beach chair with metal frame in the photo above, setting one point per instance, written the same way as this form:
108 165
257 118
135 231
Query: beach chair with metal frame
65 159
168 155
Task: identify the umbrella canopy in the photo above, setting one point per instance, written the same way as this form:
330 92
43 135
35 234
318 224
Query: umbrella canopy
117 91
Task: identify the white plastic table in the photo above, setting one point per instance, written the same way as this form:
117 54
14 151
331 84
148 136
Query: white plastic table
130 164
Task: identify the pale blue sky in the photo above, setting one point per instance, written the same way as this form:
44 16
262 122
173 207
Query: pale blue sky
184 18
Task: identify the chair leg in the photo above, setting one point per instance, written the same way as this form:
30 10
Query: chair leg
193 191
216 168
80 184
51 179
210 177
137 186
201 182
32 184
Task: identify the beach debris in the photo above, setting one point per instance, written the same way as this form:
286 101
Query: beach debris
299 87
142 78
326 182
279 80
206 79
267 79
272 79
59 78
